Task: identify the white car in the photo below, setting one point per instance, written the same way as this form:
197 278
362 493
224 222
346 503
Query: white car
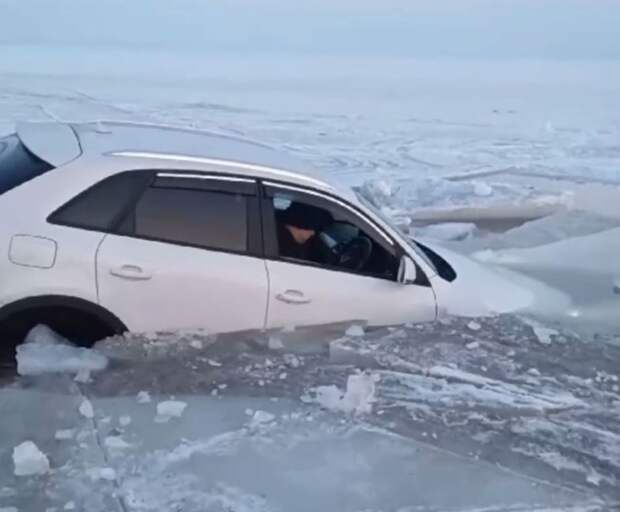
109 227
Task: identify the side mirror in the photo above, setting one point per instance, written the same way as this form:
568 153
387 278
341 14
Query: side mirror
407 271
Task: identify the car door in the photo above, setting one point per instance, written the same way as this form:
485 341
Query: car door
187 255
312 293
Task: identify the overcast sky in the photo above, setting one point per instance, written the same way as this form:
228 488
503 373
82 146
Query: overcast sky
542 29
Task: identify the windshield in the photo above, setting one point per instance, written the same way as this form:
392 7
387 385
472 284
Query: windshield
17 164
403 236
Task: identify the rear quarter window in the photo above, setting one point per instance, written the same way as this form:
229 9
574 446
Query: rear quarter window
17 164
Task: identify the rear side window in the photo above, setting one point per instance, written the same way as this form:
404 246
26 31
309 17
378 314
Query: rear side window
202 218
17 164
102 206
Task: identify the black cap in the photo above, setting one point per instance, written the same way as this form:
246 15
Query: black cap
306 216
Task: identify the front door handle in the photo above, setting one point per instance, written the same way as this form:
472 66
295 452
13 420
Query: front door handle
294 297
130 272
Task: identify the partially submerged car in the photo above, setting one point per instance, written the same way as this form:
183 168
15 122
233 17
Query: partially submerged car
109 227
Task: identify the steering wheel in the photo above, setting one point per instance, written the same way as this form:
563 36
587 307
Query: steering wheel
354 254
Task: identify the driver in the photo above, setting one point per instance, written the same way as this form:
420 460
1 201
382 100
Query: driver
298 226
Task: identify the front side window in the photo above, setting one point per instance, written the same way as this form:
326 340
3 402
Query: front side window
17 164
317 231
195 213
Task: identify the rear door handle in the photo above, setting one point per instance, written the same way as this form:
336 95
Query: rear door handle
130 272
294 297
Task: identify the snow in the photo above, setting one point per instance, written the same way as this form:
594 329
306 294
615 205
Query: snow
29 460
86 409
44 351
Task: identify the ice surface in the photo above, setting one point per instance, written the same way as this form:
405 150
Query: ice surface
589 252
45 351
447 231
29 460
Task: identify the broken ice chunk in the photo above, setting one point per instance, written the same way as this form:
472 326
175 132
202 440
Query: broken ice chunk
355 330
86 409
169 409
261 417
143 397
474 326
116 443
29 460
63 435
101 474
45 351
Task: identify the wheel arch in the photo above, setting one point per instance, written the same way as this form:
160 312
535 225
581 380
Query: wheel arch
109 319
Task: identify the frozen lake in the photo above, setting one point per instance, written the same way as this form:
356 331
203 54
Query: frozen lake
515 162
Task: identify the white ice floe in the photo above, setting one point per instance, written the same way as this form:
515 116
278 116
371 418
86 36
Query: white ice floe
543 334
83 376
143 397
275 343
474 326
9 509
169 409
64 435
29 460
355 330
116 443
261 417
124 421
105 473
86 409
44 351
357 398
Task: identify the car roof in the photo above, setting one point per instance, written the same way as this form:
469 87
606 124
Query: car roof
164 143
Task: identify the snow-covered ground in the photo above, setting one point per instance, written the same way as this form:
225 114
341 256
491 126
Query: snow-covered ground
492 414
